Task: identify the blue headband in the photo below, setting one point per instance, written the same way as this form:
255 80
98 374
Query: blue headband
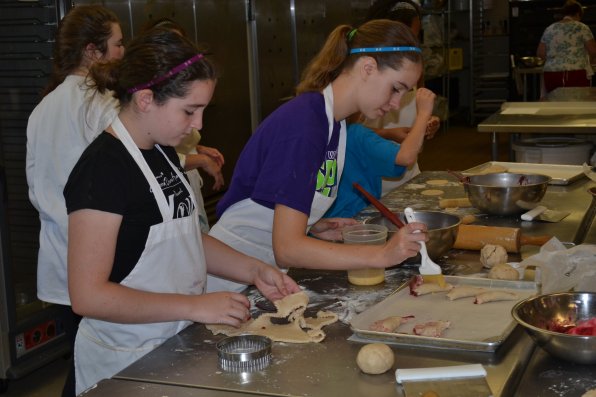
384 49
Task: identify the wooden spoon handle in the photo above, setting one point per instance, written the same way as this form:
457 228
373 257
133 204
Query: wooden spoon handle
380 206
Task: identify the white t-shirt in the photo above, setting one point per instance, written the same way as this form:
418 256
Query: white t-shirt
59 129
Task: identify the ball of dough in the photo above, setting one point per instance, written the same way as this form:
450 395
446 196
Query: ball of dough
375 358
491 255
503 271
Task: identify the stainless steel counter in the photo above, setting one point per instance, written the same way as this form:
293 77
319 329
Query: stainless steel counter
189 360
561 117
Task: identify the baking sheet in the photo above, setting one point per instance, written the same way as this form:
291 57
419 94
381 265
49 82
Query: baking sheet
473 327
561 174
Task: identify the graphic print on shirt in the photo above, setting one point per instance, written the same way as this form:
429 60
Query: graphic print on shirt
179 199
327 175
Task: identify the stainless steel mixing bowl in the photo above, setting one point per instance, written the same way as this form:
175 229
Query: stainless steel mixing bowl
442 229
506 193
539 314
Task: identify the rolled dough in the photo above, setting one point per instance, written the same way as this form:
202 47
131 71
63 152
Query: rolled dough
432 192
299 329
437 182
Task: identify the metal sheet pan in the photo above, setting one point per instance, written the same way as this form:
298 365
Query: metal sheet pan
561 174
473 327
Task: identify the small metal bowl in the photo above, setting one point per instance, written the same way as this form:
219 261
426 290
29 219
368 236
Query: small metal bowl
442 229
244 353
539 315
506 193
532 62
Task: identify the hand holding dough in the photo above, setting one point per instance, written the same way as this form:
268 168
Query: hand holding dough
491 255
375 358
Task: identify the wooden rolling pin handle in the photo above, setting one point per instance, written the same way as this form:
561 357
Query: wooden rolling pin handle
534 240
454 202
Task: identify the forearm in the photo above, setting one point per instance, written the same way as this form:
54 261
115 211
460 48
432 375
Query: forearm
194 161
397 134
224 261
411 146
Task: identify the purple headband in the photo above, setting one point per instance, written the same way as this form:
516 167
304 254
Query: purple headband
173 71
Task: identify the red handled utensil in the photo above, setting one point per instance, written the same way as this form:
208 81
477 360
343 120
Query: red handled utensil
386 212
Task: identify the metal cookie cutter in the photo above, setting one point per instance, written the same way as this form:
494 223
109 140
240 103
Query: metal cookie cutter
244 353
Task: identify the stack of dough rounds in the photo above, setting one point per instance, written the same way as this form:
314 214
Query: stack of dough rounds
375 358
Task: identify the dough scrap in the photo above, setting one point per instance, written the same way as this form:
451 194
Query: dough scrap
299 329
437 182
491 255
503 271
432 192
375 358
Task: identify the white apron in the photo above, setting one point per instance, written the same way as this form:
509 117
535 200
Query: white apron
247 226
172 262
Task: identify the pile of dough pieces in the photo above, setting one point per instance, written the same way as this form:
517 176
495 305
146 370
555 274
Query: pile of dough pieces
494 257
299 329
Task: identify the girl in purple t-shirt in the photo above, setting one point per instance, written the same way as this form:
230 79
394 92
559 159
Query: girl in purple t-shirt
287 175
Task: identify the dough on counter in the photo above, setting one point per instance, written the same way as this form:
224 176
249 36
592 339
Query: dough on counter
299 329
389 324
590 393
494 296
432 192
491 255
375 358
503 271
437 182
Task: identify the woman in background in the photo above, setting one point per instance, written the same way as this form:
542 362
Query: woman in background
569 49
60 127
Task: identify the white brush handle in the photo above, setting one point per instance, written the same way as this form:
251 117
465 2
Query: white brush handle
533 213
456 371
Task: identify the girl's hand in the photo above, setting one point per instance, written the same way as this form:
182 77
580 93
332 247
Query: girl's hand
228 308
432 127
273 283
213 153
404 244
425 101
211 167
330 228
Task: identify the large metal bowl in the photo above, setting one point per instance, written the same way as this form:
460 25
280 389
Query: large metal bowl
442 229
506 193
539 314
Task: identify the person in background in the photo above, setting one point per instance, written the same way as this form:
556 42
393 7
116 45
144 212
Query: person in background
287 175
369 158
192 155
396 124
569 49
60 127
137 260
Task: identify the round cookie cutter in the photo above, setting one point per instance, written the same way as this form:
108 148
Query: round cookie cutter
244 353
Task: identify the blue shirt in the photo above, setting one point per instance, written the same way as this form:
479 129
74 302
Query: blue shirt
368 158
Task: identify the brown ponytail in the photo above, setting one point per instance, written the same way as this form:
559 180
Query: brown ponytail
334 57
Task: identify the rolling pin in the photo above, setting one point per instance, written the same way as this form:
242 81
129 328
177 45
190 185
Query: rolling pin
454 202
474 237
